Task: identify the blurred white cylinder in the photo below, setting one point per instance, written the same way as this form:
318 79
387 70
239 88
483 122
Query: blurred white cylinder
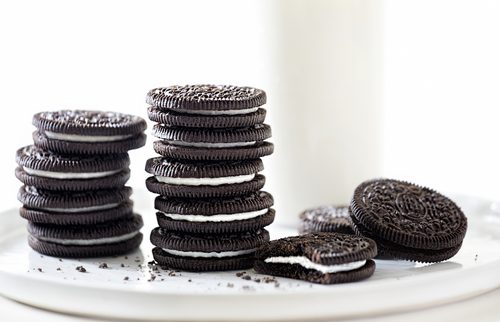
325 102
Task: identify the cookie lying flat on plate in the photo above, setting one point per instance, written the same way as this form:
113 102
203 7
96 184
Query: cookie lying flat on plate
324 258
115 237
88 132
206 252
325 219
55 171
408 221
215 215
190 179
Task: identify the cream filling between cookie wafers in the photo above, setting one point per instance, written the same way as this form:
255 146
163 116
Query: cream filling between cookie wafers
83 209
213 112
206 181
89 242
306 263
69 175
211 254
211 145
217 218
86 138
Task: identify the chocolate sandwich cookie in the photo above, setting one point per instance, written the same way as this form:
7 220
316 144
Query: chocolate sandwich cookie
74 202
325 219
115 237
88 132
193 179
215 215
55 171
123 209
213 144
206 252
324 258
207 118
407 221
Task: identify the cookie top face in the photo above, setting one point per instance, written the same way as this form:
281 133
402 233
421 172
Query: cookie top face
408 215
38 161
320 248
89 123
206 97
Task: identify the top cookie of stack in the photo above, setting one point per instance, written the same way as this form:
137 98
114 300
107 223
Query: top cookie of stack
209 122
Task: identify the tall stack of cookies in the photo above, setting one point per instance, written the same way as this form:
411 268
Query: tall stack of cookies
74 194
211 211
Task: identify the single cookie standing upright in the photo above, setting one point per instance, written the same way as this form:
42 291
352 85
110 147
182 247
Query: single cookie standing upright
324 258
408 221
88 132
325 219
209 122
54 171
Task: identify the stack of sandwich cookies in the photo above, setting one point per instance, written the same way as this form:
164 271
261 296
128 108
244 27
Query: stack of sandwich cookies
407 221
328 218
324 258
77 203
211 141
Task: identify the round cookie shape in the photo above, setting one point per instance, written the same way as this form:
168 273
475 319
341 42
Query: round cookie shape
167 167
206 97
324 258
175 118
176 135
91 123
206 252
124 209
36 158
215 215
327 218
408 215
72 201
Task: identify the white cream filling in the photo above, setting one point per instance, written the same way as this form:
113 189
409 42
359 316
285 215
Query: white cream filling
217 218
206 181
227 112
86 138
84 209
211 145
89 242
69 175
211 254
306 263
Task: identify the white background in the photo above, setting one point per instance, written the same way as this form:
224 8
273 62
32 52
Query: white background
441 119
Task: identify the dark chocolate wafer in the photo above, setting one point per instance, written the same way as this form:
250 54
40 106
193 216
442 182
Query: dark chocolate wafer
324 258
215 215
88 132
55 171
417 221
328 218
206 252
109 238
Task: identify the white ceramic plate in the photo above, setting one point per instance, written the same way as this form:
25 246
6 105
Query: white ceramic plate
222 296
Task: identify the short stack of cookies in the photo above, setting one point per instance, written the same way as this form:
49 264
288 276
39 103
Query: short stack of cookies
74 195
211 211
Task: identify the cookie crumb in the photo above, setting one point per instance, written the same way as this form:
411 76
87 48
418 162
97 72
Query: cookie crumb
246 277
60 259
257 280
39 269
239 274
103 265
126 257
230 285
189 280
121 265
41 256
81 269
58 268
125 278
137 260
